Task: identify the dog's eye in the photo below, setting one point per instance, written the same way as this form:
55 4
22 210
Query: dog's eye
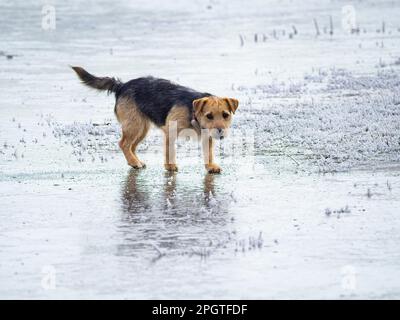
225 115
209 116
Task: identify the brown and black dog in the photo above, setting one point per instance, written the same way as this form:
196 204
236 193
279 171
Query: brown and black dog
142 101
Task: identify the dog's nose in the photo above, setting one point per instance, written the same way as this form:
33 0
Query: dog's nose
220 133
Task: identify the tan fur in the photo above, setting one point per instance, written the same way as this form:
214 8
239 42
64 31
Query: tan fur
134 128
208 153
180 115
217 107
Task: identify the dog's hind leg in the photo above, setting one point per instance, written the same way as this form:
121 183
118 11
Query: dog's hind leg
140 133
134 129
124 144
127 143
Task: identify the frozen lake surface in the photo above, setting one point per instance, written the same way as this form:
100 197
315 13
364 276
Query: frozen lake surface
308 207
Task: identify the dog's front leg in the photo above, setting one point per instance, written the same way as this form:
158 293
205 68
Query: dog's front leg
170 151
208 153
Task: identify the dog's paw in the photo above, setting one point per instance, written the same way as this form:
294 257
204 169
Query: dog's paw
171 167
137 165
213 168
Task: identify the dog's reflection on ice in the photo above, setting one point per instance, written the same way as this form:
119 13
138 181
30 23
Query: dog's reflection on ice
140 193
172 213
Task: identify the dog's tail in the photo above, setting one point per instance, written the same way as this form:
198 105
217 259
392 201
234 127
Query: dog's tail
99 83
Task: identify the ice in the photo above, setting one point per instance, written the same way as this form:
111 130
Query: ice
314 200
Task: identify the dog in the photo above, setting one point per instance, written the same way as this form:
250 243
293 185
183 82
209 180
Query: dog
144 101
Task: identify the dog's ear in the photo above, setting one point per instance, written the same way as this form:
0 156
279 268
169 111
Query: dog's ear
232 103
199 104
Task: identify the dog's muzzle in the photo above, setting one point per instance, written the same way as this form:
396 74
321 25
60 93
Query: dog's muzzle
219 134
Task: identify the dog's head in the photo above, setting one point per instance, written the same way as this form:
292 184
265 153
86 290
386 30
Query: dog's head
215 114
